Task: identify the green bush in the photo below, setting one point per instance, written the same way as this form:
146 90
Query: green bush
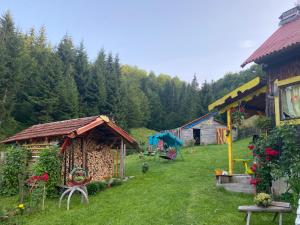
264 123
101 185
49 161
116 182
92 188
285 163
14 167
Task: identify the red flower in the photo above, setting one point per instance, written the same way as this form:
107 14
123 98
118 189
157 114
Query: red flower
251 147
43 177
254 181
268 149
271 152
254 167
268 158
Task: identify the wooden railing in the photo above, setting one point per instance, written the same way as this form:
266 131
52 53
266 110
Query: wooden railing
35 149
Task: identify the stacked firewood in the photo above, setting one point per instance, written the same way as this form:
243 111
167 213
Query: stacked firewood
96 158
100 163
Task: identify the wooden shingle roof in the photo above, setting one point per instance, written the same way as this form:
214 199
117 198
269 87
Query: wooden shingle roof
71 128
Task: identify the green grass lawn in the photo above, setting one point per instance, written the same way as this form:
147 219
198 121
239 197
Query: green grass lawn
141 134
178 192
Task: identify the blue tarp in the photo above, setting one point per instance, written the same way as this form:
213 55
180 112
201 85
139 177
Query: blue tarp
168 138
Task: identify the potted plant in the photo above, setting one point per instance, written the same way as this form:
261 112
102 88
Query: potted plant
263 200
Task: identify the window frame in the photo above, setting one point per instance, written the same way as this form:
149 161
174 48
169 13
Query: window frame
277 100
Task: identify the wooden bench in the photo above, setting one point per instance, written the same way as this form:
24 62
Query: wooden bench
275 207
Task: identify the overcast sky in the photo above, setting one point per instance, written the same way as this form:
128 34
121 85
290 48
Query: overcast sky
209 38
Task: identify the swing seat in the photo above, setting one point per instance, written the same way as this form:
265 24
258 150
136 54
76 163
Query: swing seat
165 157
170 155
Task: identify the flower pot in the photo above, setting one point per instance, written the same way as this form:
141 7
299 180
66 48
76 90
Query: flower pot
218 172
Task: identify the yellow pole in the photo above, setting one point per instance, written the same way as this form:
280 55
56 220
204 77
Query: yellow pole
229 142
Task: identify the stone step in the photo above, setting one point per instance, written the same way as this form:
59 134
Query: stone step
243 179
238 187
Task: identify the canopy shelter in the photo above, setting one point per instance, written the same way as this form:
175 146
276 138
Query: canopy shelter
167 144
251 96
168 138
93 143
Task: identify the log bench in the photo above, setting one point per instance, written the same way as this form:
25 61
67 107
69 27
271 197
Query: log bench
275 207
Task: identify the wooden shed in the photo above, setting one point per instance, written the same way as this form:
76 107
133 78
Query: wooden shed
202 131
93 143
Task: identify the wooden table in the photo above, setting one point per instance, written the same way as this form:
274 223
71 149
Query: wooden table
276 207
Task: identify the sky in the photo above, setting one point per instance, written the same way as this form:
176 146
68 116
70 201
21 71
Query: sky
181 38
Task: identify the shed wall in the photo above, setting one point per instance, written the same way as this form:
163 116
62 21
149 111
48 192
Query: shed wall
208 132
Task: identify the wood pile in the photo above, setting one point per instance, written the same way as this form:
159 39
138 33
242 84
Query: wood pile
87 153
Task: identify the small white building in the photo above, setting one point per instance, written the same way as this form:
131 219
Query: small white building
202 131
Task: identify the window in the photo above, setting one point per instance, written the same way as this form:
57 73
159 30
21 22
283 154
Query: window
287 101
290 102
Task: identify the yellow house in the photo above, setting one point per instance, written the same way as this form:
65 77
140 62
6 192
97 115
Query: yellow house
278 94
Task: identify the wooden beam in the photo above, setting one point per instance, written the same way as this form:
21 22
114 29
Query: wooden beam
65 166
233 94
122 159
229 142
81 149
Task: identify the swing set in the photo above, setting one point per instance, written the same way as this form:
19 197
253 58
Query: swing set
164 145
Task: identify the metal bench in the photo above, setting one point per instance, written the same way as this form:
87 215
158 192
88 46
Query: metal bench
275 207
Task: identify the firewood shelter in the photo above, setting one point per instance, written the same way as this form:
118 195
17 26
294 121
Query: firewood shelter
94 143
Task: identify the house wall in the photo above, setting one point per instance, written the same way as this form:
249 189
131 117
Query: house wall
283 70
208 132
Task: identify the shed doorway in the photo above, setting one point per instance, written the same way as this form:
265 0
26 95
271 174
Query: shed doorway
197 135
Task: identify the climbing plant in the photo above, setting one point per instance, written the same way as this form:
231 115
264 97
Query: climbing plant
49 162
14 170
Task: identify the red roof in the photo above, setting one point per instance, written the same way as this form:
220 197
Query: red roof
71 128
286 37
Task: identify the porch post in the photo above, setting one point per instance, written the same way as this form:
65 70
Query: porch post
124 155
122 159
229 142
297 222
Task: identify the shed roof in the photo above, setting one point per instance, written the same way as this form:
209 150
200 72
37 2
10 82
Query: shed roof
245 92
71 128
284 38
198 120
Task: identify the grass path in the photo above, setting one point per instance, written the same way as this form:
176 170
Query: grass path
180 192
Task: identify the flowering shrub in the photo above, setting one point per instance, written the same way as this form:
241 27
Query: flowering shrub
21 208
276 155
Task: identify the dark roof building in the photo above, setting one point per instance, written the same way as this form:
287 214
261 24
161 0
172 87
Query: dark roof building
68 128
94 143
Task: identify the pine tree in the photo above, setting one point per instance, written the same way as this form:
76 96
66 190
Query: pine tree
95 91
68 103
10 69
81 77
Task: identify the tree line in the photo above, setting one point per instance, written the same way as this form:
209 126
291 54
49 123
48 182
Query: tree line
40 83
